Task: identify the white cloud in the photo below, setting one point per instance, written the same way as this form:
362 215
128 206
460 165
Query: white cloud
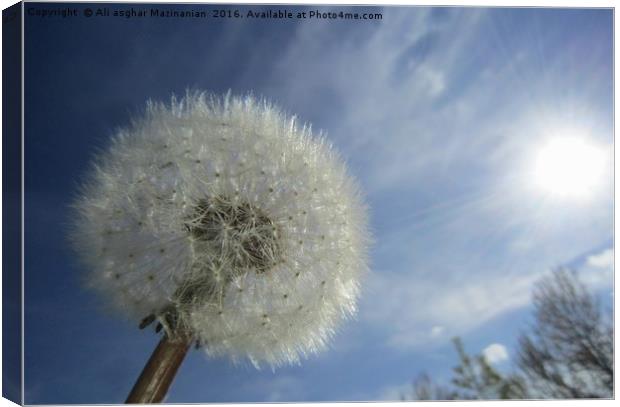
437 330
495 353
598 269
603 259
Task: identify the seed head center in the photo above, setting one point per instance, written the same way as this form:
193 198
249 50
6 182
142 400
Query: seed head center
238 234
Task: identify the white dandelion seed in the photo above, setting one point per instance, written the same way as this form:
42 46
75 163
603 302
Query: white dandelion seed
223 219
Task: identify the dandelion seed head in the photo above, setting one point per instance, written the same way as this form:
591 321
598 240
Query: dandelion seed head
225 218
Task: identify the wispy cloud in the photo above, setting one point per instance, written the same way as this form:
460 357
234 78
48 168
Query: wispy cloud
416 312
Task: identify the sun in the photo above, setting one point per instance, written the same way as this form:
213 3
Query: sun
568 167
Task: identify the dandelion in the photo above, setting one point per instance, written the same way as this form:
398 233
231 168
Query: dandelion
226 224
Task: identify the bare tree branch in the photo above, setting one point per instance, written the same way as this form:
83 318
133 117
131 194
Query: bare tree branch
568 352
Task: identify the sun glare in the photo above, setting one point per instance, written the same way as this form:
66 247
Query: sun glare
568 167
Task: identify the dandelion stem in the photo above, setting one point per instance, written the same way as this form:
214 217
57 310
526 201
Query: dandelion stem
157 375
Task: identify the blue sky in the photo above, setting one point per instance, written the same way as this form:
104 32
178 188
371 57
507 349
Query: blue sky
438 112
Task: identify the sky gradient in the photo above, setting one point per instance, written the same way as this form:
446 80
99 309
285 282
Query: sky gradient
438 113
